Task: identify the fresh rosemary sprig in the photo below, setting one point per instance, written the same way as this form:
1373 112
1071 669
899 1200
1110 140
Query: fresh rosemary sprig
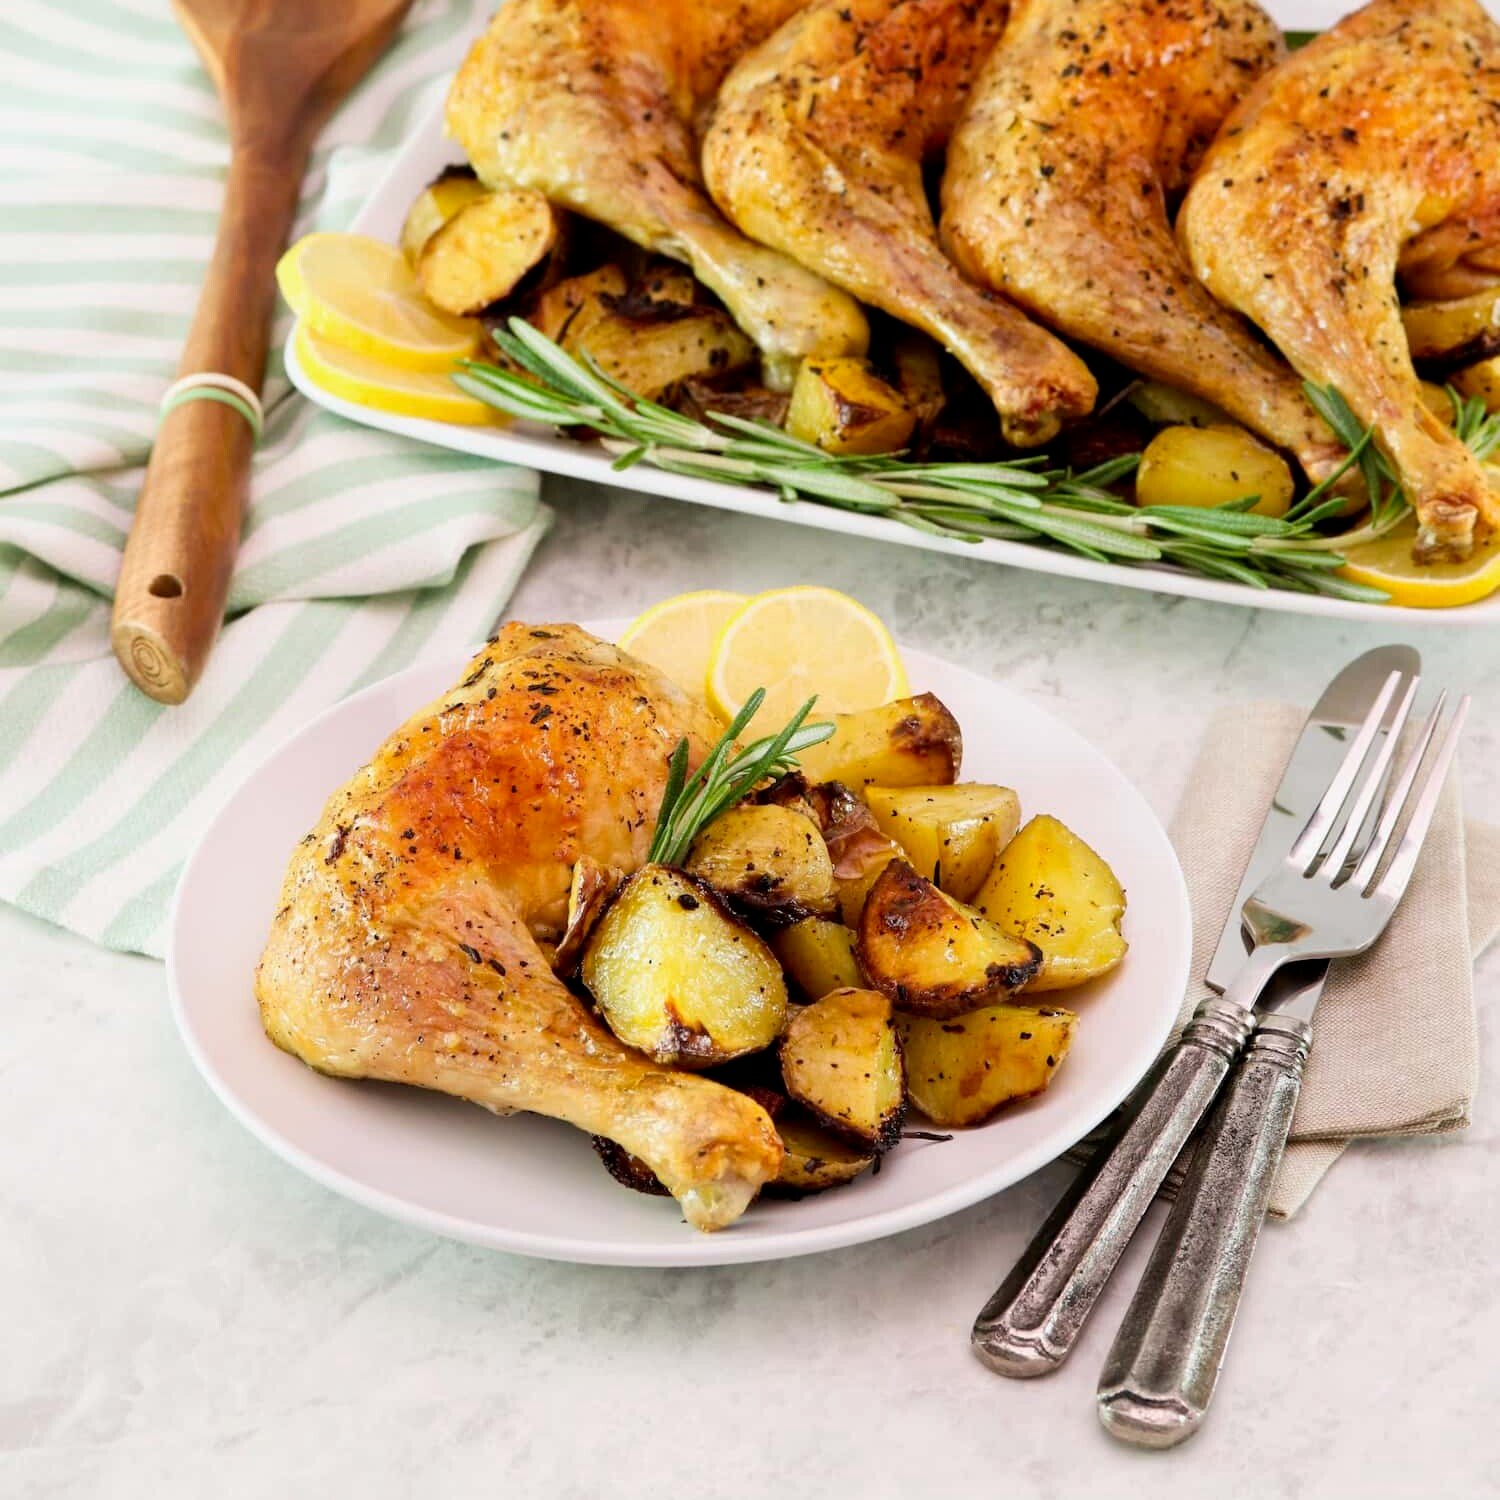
1017 500
690 803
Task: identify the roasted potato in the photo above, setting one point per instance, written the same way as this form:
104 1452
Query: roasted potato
677 975
1456 332
1211 466
566 310
767 862
960 1072
815 1157
844 407
841 1059
859 850
454 188
482 253
1437 400
1166 406
1482 380
933 955
950 833
648 353
908 742
1052 889
592 887
818 956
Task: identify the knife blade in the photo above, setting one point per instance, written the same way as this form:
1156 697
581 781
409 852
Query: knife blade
1342 708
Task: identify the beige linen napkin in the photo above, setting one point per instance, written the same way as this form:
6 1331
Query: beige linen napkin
1395 1049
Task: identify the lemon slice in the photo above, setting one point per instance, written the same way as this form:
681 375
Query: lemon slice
360 294
371 382
1386 563
798 642
679 634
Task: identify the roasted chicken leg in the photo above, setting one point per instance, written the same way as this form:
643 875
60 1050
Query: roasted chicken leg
1374 139
408 945
1083 127
594 103
817 145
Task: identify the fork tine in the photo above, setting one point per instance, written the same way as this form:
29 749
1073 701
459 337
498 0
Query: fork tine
1370 788
1310 840
1393 883
1390 814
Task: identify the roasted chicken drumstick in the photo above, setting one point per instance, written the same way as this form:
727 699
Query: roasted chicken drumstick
817 145
408 942
1368 144
594 102
1082 129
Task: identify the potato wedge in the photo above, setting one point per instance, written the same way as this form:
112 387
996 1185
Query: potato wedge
907 742
1482 380
841 1059
768 862
1456 332
1207 466
950 833
568 309
647 354
454 188
592 888
815 1157
960 1072
677 975
933 955
818 957
844 407
482 253
860 851
1051 888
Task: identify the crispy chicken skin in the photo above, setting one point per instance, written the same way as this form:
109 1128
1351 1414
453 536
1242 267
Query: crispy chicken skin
594 104
817 145
1380 136
1082 129
409 943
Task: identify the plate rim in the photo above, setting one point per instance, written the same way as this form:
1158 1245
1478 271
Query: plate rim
526 446
701 1250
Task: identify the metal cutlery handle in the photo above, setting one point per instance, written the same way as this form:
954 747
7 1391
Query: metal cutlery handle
1160 1374
1032 1322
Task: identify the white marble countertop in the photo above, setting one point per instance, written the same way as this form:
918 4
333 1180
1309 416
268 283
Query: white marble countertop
182 1314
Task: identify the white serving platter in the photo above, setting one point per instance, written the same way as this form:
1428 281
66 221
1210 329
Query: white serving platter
428 151
533 1186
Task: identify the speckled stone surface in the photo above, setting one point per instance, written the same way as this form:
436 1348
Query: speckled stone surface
182 1314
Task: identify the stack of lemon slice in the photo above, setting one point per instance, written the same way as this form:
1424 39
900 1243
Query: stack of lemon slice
366 334
793 642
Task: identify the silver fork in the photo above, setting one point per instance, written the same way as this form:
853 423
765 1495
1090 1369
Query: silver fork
1331 898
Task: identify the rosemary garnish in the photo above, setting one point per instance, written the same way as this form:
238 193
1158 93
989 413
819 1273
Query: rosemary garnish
1016 500
691 803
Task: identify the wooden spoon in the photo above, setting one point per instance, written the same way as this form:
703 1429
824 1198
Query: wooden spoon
280 66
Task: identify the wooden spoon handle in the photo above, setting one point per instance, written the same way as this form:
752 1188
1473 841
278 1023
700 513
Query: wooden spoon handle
175 574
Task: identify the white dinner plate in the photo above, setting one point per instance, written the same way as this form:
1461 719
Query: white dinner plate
534 1186
428 151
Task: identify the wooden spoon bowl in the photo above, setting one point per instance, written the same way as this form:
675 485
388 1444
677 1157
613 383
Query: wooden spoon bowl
280 67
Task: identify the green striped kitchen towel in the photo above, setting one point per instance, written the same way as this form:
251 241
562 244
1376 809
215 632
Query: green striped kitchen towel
363 552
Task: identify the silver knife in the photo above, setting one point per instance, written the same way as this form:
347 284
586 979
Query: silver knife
1032 1322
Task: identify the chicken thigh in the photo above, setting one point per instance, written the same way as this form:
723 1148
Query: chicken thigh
1082 129
1379 139
594 102
408 944
817 145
